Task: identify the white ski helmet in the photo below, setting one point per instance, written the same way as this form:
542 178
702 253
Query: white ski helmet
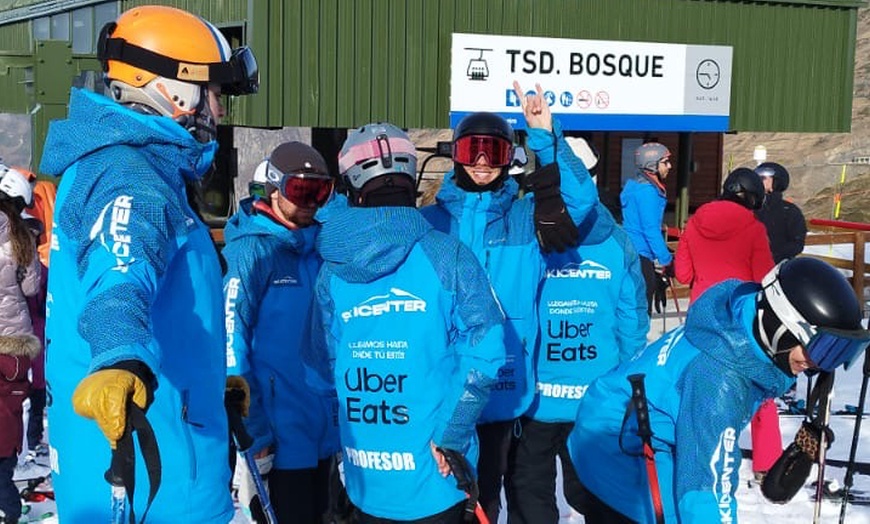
257 185
14 186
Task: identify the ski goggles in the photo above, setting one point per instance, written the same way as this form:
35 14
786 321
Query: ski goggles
305 189
497 152
826 348
829 349
257 189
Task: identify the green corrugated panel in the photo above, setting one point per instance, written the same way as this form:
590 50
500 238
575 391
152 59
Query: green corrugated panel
15 38
12 82
380 97
396 57
361 61
311 61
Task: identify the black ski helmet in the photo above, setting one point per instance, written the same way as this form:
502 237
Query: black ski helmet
801 298
483 123
779 174
744 187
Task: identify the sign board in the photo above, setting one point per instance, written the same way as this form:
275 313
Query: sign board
594 85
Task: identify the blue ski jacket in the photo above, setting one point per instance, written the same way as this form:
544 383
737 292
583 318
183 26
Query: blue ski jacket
268 293
499 228
134 275
593 316
643 207
703 381
409 331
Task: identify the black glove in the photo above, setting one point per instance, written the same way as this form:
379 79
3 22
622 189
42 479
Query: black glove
668 271
554 227
465 480
660 295
790 472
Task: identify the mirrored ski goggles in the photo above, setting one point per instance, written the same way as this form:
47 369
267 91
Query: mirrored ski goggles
829 349
306 190
256 189
497 152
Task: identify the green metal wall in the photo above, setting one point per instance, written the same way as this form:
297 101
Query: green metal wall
335 63
341 63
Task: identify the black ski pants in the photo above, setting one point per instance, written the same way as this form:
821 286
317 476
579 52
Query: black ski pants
300 496
10 501
531 482
648 268
492 464
35 426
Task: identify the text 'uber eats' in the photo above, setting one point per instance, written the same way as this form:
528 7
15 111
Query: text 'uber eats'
364 381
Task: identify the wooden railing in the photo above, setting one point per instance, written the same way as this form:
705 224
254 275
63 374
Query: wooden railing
825 233
829 232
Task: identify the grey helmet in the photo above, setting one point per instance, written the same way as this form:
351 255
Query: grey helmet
648 156
375 150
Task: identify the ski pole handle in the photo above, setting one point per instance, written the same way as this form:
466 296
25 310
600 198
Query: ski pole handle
638 398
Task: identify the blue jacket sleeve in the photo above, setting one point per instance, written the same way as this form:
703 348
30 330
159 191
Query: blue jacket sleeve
632 321
652 208
319 355
713 413
480 352
245 285
578 190
121 270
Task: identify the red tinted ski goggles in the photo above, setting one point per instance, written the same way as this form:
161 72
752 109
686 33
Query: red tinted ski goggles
497 152
306 190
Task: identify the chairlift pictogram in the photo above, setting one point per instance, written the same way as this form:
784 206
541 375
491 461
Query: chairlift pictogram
477 67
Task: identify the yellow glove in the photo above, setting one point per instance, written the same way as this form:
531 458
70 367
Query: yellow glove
102 396
238 382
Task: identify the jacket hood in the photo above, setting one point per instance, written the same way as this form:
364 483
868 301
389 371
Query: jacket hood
95 122
452 198
362 244
247 222
20 346
719 324
722 220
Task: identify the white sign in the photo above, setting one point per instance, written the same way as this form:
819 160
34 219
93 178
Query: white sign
594 84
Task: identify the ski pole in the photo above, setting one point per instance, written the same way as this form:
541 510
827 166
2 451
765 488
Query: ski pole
823 442
674 296
119 493
244 442
644 431
850 466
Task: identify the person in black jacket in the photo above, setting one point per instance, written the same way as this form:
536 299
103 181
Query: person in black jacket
785 223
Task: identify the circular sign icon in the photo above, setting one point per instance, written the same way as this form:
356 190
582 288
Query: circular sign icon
584 99
550 97
566 99
707 74
602 99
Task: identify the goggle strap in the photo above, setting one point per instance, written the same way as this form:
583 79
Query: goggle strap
785 311
224 73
